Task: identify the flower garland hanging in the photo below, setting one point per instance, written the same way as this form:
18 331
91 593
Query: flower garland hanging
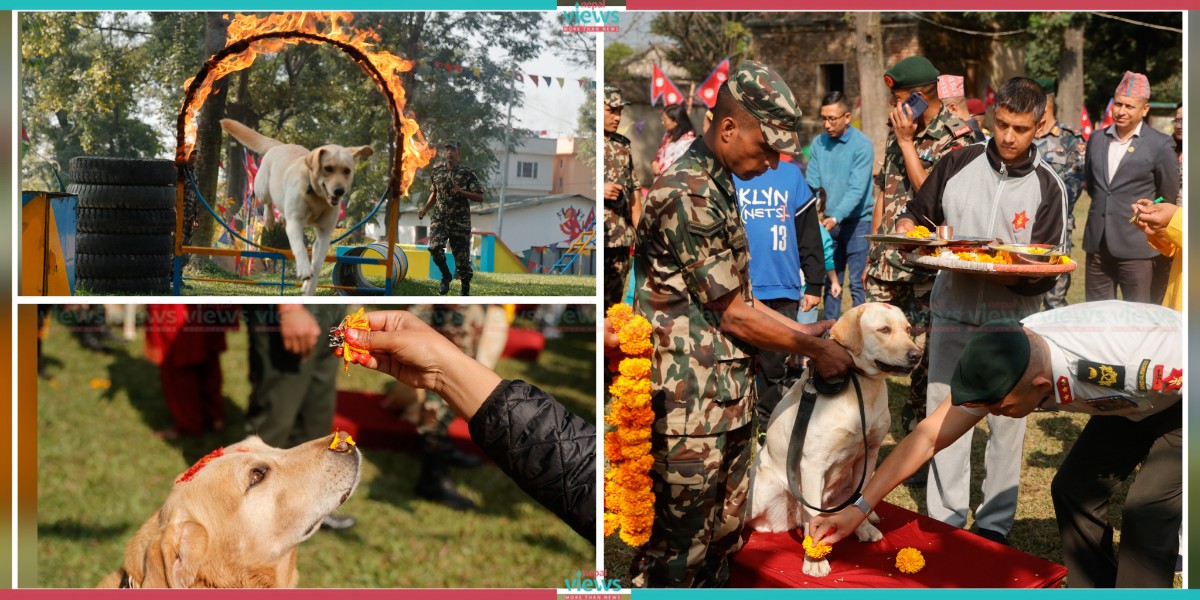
628 491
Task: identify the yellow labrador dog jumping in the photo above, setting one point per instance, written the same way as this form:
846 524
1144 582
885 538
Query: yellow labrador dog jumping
236 518
833 457
307 186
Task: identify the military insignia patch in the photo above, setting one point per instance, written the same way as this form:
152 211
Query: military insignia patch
1173 381
1141 380
1111 376
889 81
1158 377
964 130
1020 220
1064 390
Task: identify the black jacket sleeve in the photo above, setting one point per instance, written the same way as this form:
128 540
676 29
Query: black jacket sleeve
548 451
812 251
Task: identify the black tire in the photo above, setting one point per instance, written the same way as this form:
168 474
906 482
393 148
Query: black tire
105 220
120 243
123 197
119 286
122 171
113 266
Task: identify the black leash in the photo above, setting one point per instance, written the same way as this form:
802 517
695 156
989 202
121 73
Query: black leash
808 401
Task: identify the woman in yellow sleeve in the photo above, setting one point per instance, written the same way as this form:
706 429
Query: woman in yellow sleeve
1163 225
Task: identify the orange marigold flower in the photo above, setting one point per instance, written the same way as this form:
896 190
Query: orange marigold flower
635 368
610 524
351 354
816 551
910 560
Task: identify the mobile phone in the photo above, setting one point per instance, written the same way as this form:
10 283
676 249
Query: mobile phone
916 104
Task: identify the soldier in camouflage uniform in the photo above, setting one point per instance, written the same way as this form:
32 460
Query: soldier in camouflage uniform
1064 150
692 252
914 144
621 199
451 187
463 325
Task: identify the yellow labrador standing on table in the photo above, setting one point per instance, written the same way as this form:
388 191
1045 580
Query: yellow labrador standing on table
236 518
878 337
307 186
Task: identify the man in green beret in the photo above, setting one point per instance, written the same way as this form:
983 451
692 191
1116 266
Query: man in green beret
914 144
692 252
1064 149
622 199
1122 363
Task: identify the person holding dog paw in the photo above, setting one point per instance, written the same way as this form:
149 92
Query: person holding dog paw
452 188
693 255
1120 362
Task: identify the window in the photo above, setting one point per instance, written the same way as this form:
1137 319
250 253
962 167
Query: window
422 233
526 170
833 78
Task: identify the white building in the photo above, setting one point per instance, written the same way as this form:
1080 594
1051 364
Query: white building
530 168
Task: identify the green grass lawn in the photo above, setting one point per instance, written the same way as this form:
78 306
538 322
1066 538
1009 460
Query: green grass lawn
101 474
482 284
1048 437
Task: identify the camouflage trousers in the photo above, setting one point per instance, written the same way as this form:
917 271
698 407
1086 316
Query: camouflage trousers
913 299
616 274
701 486
436 416
460 246
1057 297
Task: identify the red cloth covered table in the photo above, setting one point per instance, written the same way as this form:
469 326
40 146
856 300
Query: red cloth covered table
954 558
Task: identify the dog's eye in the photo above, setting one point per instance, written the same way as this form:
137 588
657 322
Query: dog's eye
885 330
328 169
257 474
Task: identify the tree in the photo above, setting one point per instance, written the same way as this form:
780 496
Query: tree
703 39
868 41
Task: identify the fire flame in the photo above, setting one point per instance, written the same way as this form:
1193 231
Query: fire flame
332 26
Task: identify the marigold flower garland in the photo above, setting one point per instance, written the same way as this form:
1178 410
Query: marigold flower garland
628 491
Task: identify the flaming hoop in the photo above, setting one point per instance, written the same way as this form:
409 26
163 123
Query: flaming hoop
250 36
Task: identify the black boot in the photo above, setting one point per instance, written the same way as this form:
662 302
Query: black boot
458 459
433 485
466 287
439 259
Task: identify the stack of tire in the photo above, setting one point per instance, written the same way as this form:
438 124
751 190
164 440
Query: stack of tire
126 224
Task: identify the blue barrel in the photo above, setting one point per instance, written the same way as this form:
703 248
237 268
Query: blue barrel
353 274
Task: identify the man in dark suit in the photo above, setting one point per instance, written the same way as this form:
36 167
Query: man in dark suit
1127 161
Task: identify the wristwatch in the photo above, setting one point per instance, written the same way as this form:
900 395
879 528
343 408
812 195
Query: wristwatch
861 504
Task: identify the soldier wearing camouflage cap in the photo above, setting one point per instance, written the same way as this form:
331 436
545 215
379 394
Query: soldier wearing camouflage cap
622 199
1063 149
692 251
914 144
452 187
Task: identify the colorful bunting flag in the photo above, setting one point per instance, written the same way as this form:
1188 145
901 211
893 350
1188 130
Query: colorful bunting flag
661 86
1108 118
989 96
1085 124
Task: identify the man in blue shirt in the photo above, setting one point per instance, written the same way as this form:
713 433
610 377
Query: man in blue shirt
784 237
840 162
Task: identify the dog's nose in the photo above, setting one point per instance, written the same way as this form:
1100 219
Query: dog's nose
341 445
914 356
338 191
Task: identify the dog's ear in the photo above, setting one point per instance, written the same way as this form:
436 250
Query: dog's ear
847 331
313 161
184 545
362 152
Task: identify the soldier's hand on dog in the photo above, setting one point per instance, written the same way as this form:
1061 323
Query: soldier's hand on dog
832 528
612 191
833 362
299 329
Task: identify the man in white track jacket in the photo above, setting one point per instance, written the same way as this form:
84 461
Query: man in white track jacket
995 189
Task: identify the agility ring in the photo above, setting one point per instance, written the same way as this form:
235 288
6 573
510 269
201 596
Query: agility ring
183 161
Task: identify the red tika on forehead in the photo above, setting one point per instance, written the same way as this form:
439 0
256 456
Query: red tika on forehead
187 476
